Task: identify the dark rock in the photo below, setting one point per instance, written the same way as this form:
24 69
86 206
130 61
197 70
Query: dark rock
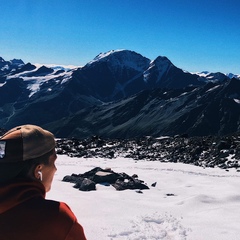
87 185
170 194
83 184
123 185
154 184
71 179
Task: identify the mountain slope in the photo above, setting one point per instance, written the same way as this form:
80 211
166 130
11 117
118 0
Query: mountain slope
193 111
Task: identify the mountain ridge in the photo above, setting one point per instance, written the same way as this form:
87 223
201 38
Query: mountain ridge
118 94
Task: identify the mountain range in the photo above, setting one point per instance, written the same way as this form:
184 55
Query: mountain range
119 94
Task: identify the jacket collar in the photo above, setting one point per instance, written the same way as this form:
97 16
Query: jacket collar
14 193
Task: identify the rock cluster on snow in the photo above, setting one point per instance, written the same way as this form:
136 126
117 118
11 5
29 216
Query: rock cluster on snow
88 180
209 151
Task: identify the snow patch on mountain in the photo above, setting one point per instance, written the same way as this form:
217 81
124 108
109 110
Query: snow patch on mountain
4 68
35 81
213 88
102 56
34 87
58 67
237 101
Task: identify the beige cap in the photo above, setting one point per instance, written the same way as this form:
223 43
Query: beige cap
25 142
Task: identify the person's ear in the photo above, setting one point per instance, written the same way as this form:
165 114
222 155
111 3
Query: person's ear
38 172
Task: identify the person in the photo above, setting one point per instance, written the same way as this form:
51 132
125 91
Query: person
27 168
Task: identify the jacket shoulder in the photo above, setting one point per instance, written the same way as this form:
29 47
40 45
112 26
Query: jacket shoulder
76 230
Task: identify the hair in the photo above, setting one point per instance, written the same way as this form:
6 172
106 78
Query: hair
30 165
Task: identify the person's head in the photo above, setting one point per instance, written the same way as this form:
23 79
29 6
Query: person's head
28 152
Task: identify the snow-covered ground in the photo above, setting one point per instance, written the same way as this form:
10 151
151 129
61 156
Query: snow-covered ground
188 202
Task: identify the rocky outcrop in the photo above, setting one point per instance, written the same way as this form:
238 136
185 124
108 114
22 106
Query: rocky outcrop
207 151
121 181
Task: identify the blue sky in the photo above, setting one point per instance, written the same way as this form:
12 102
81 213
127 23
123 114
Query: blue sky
194 35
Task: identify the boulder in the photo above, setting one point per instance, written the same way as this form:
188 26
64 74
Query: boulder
102 177
87 185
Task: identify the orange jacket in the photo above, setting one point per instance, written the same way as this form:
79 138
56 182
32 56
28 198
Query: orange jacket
25 214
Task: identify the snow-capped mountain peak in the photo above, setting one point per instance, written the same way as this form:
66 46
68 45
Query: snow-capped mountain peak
10 65
122 57
206 76
17 62
102 56
161 65
1 60
231 75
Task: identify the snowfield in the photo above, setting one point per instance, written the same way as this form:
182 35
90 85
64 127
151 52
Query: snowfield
188 202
